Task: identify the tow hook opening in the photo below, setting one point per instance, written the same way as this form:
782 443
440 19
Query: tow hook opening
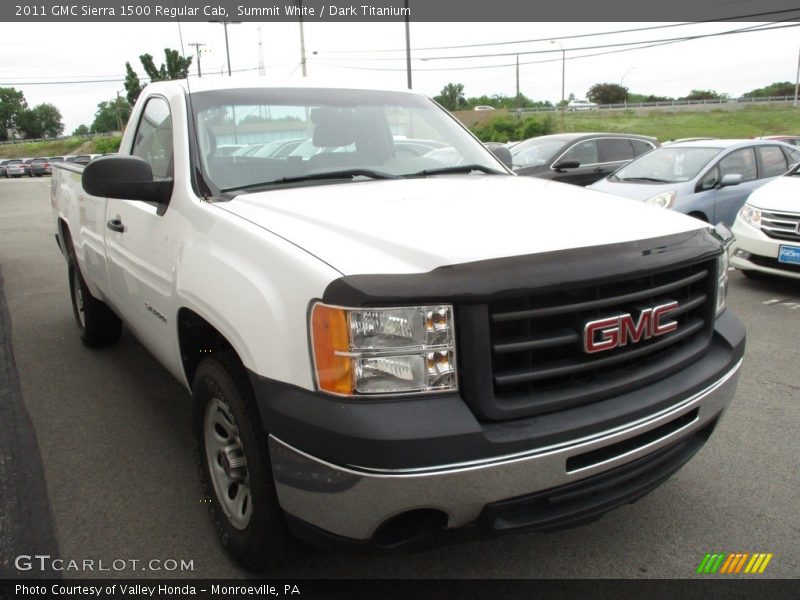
410 526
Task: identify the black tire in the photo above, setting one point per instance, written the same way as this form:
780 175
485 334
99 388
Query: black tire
263 541
98 324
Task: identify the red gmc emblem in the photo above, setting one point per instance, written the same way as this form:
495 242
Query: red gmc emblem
613 332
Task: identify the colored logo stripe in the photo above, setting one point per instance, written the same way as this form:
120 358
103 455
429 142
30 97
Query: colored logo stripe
734 562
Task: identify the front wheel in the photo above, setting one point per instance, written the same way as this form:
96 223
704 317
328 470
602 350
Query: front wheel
235 469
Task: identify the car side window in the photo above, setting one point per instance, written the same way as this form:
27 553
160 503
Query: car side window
640 147
615 150
773 161
792 155
584 152
153 140
742 161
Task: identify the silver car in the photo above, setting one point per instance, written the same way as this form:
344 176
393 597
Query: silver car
708 179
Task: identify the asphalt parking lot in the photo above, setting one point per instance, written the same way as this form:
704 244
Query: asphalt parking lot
113 435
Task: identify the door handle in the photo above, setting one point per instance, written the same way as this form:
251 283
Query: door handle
116 225
599 169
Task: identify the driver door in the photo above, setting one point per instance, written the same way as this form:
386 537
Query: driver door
141 244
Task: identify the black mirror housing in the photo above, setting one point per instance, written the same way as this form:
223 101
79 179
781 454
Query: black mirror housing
124 178
566 164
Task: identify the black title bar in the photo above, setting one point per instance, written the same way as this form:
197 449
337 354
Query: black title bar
394 10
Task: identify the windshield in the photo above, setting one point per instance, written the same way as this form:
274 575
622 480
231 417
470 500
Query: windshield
667 165
535 152
282 136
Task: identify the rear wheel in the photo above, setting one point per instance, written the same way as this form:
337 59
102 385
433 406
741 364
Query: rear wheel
98 324
235 468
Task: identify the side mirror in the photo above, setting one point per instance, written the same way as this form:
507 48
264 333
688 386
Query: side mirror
124 178
730 179
502 153
566 164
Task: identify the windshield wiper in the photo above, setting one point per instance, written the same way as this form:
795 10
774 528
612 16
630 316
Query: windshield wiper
343 174
456 169
653 179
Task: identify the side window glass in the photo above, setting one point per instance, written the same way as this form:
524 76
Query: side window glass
640 147
153 141
585 153
794 155
742 162
773 161
710 179
615 150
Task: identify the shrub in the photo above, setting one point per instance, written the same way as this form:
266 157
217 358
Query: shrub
504 128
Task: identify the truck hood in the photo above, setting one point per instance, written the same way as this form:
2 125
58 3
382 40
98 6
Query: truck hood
639 191
781 194
417 225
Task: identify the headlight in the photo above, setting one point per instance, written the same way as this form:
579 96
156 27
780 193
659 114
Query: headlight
384 350
664 199
722 281
751 215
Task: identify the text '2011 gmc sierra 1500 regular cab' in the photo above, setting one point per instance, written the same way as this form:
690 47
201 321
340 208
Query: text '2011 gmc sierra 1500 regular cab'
389 338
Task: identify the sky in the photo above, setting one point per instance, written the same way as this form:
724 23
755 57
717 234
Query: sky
374 54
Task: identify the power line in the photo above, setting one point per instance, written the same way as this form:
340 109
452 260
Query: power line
758 27
535 62
569 37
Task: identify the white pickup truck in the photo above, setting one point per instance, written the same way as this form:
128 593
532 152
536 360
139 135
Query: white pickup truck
388 337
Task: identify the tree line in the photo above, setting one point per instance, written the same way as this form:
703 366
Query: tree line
452 96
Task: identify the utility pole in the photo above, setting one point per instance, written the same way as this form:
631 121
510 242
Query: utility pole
302 40
797 80
116 108
227 48
517 97
197 46
261 69
408 45
563 78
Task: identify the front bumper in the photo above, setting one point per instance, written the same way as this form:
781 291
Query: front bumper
754 251
353 503
338 476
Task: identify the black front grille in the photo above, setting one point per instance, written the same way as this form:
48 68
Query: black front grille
539 364
781 225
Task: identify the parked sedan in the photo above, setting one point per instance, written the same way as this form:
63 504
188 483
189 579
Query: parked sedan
3 163
709 179
40 166
578 158
16 168
767 229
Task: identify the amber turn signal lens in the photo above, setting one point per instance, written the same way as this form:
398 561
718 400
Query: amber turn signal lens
329 335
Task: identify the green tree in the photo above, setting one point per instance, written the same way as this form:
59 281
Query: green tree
12 105
43 120
779 88
607 93
175 67
111 115
81 130
452 96
132 84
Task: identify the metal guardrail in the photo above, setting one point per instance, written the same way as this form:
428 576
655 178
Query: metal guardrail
742 100
87 136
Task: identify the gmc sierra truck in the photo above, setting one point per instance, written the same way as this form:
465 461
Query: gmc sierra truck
389 338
